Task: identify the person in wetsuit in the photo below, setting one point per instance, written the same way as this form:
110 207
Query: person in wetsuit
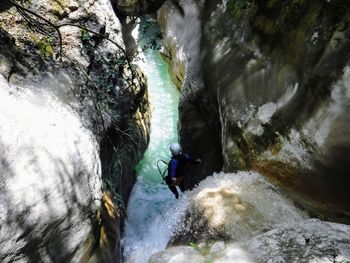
177 169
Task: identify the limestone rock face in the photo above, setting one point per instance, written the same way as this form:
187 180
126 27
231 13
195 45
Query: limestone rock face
307 241
50 177
72 129
199 118
276 75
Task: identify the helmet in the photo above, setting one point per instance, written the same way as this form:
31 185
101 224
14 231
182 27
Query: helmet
175 148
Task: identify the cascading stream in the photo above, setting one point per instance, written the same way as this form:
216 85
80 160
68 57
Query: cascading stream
240 204
147 228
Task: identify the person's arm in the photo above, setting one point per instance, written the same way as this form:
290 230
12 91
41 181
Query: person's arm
191 161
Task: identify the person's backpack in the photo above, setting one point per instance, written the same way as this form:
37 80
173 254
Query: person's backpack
180 169
181 165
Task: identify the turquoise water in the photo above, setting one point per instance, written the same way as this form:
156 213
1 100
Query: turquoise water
153 214
164 99
149 220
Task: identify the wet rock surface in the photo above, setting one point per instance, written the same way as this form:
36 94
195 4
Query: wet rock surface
276 76
233 207
308 241
198 111
73 126
311 240
178 254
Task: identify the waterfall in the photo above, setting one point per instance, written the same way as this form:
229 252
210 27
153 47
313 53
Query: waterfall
154 216
150 213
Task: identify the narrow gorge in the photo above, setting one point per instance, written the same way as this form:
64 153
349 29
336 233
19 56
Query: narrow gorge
92 94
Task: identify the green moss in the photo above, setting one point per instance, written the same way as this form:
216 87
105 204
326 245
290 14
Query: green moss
235 7
204 249
58 8
44 44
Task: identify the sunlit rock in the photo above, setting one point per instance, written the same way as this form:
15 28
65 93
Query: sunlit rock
50 177
233 207
74 123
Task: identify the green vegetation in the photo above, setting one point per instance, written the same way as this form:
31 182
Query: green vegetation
235 7
58 9
204 250
194 246
109 73
44 44
85 36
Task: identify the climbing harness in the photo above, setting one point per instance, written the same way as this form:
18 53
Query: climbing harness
162 174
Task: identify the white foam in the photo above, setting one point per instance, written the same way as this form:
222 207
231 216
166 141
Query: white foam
260 205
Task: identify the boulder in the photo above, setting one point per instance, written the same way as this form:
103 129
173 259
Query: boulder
311 240
233 207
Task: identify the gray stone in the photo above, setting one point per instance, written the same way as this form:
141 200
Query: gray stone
66 160
324 242
51 177
217 247
259 102
181 26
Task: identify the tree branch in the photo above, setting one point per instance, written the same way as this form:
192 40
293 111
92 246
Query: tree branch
57 28
95 33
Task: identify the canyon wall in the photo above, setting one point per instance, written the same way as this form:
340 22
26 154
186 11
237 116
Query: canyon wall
266 88
74 122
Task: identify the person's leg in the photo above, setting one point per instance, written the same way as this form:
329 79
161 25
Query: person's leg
171 187
182 186
174 191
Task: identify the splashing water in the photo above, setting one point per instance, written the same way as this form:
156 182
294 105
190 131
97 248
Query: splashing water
151 215
241 204
154 215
